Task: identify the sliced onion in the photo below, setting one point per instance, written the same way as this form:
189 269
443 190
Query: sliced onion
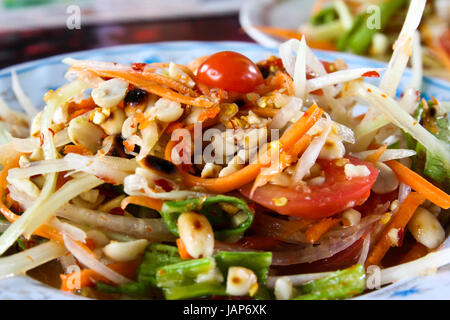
23 99
151 229
389 154
21 262
91 262
291 110
364 250
402 48
137 185
418 267
72 231
300 70
410 100
332 243
337 77
309 157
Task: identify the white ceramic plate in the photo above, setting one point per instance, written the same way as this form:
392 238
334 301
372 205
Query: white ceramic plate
39 76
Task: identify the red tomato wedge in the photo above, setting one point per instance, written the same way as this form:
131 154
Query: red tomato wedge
230 71
336 194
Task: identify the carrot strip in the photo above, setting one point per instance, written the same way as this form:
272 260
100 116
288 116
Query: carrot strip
44 230
209 113
419 184
78 113
137 80
169 82
88 277
285 159
250 172
375 156
399 221
173 126
318 229
77 149
151 203
184 254
301 127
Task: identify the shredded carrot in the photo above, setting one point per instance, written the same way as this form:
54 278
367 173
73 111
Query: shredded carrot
128 146
375 156
77 149
173 126
250 172
169 82
44 230
139 81
88 277
182 250
293 34
87 103
399 221
151 203
318 229
209 113
78 112
285 159
419 184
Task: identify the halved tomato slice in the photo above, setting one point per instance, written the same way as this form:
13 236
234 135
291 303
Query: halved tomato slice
336 194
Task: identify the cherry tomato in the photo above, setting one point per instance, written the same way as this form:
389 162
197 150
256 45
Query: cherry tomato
336 194
230 71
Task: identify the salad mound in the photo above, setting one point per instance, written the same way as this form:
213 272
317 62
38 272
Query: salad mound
289 178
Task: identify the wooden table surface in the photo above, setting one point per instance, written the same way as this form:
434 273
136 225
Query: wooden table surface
24 46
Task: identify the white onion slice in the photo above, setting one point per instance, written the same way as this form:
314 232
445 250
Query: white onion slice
309 157
389 154
418 267
91 262
364 250
337 77
287 113
21 262
23 99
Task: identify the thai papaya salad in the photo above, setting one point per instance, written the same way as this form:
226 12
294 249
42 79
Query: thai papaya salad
370 28
290 178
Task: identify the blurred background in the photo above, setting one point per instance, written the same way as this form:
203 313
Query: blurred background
32 29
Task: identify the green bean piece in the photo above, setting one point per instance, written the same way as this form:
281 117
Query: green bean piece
258 262
183 273
340 285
